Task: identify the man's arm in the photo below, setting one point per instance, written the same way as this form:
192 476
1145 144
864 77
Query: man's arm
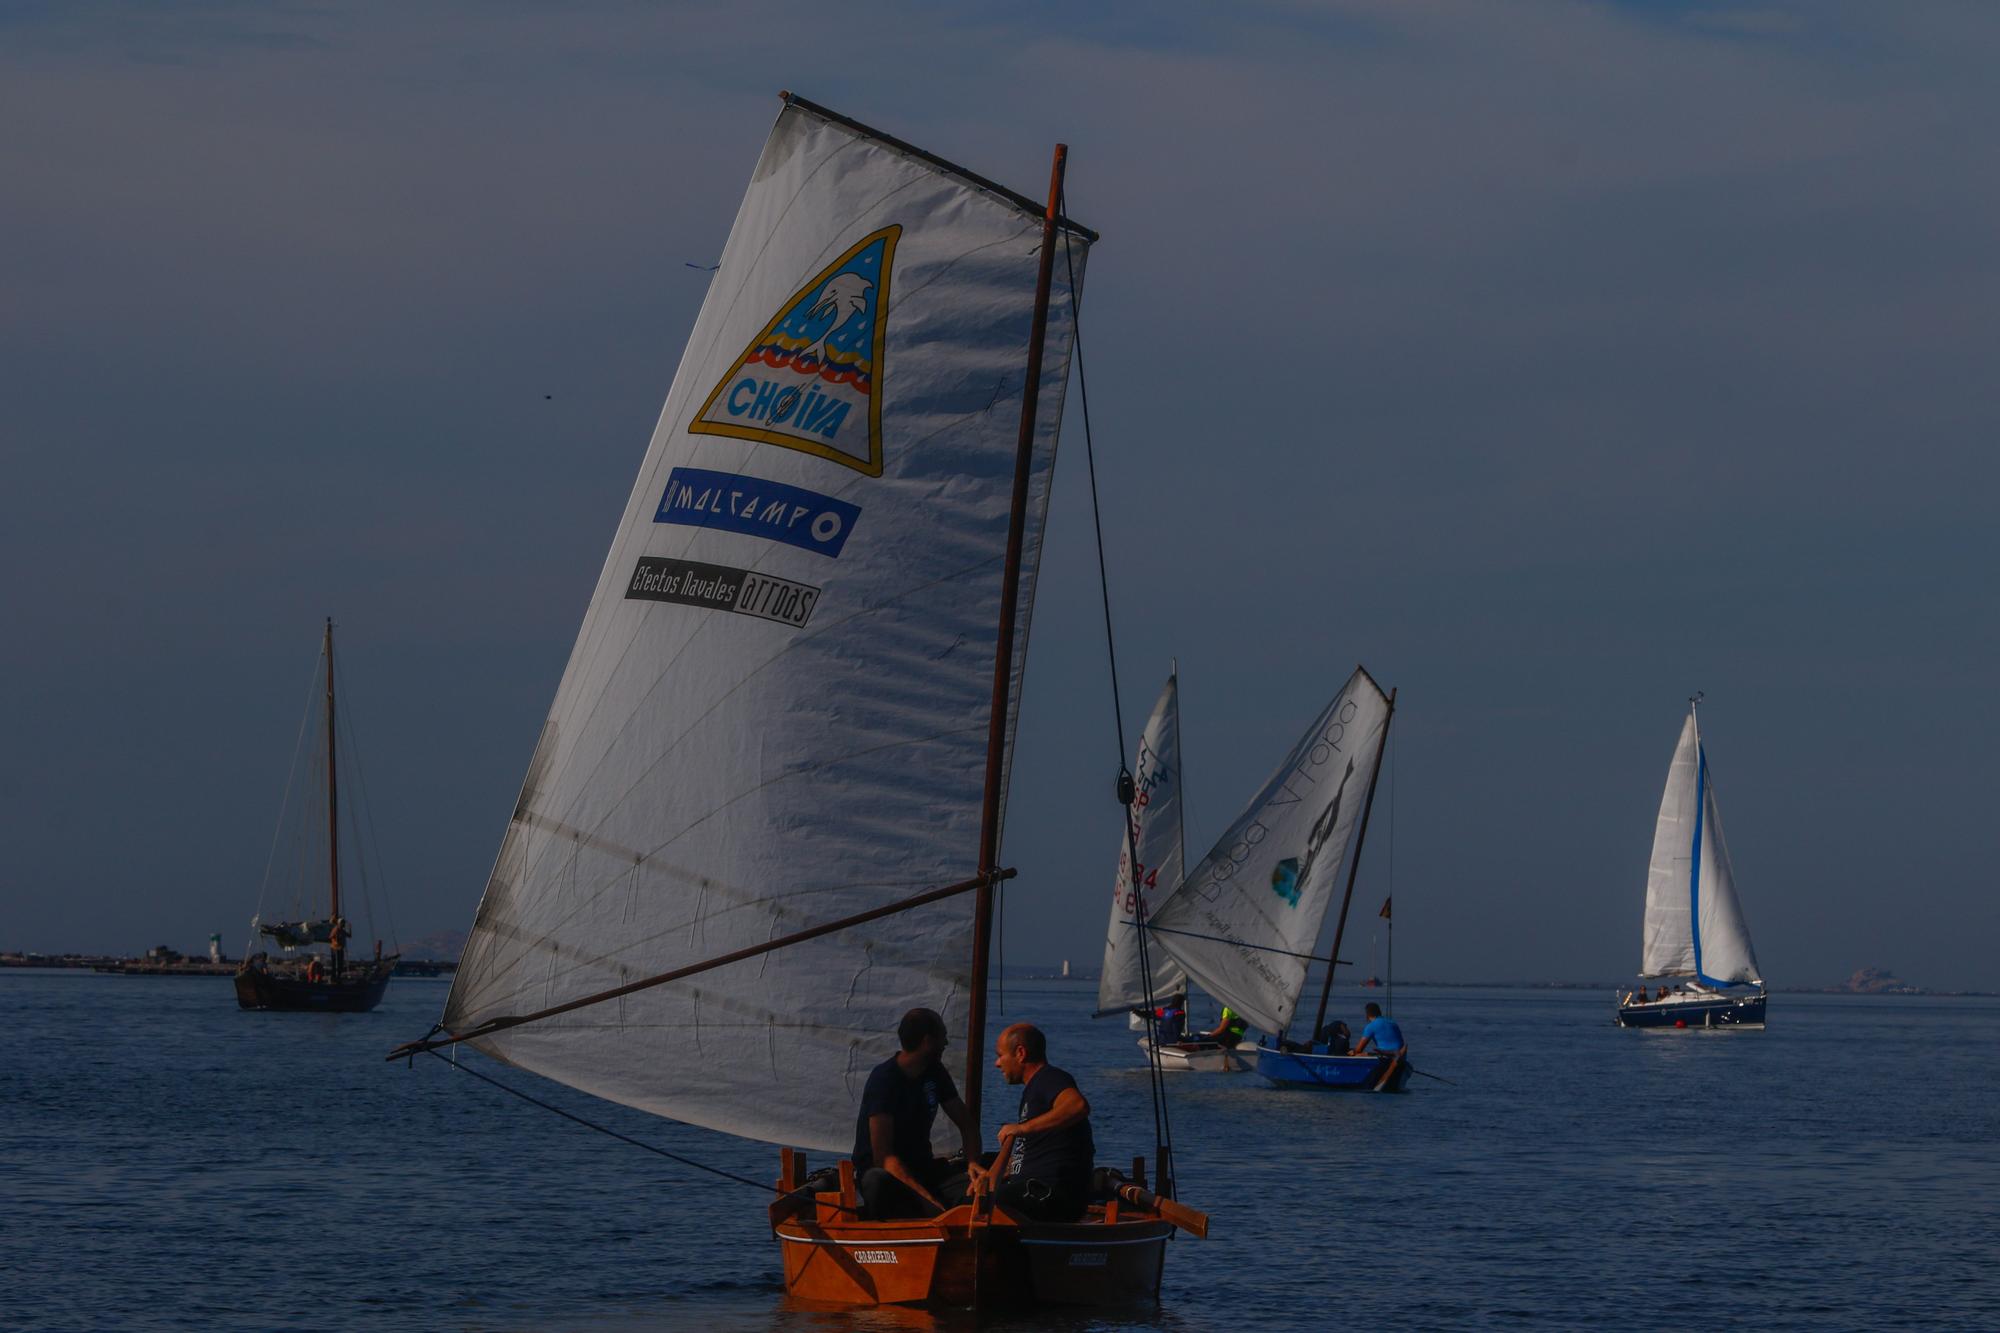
882 1144
1069 1108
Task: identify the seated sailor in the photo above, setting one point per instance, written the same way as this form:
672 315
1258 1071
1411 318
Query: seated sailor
1338 1038
893 1165
1380 1036
1042 1171
1229 1031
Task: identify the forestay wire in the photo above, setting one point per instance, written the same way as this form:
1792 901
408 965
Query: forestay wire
1163 1137
285 804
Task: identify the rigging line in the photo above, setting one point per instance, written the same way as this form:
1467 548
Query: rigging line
368 816
1096 514
506 1021
361 869
1000 920
285 803
1163 1136
307 845
1395 763
573 1118
1243 944
360 856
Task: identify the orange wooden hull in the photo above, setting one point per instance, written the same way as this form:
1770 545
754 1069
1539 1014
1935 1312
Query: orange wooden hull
963 1258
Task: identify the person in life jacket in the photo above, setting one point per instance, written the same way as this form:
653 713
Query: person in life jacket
1229 1031
1169 1018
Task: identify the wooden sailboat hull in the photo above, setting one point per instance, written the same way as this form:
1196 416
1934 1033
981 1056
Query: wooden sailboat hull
1696 1011
1329 1073
962 1259
357 992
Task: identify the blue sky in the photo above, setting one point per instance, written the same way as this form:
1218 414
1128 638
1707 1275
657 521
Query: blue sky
1554 360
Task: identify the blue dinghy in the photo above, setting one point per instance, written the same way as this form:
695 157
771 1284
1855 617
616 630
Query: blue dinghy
1334 1073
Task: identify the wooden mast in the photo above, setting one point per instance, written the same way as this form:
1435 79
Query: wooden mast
332 811
1353 869
1003 654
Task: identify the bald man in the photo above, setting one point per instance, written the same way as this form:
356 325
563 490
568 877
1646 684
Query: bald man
1042 1171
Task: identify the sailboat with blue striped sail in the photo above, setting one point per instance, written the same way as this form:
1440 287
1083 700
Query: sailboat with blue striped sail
1695 946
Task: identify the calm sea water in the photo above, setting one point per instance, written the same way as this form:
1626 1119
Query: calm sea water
169 1162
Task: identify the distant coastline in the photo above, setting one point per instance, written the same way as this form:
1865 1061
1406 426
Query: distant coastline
437 955
1866 981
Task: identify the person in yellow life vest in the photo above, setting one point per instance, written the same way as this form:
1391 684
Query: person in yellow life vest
1229 1031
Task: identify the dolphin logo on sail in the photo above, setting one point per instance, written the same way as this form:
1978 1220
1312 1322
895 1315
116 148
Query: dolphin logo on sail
1291 876
811 380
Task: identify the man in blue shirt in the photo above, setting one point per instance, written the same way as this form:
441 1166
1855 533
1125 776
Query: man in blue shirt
1381 1037
1042 1171
893 1165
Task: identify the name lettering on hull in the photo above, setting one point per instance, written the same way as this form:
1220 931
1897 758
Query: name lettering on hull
874 1256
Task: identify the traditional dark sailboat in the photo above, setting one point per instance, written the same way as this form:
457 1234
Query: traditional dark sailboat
764 815
322 978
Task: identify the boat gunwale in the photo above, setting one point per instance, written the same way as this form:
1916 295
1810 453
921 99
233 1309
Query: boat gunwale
962 1223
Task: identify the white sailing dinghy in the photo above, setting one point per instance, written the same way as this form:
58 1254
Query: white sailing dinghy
1139 978
1244 922
763 818
1694 933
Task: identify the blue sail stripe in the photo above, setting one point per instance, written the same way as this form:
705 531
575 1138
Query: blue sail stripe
1694 862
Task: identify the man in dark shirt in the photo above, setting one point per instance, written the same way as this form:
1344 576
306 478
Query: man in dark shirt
1042 1171
893 1165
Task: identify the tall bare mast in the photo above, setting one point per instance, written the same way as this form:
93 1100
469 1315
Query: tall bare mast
332 812
1003 653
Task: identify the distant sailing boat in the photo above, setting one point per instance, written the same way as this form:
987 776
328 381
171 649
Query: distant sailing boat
1243 923
1139 978
764 816
328 983
1694 930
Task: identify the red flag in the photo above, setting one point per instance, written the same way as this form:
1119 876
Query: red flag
1384 913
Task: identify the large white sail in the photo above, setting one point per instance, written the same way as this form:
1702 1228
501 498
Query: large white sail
776 712
1694 924
1242 921
1155 816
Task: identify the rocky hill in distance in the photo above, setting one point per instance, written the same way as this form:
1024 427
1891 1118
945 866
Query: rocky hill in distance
1875 981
